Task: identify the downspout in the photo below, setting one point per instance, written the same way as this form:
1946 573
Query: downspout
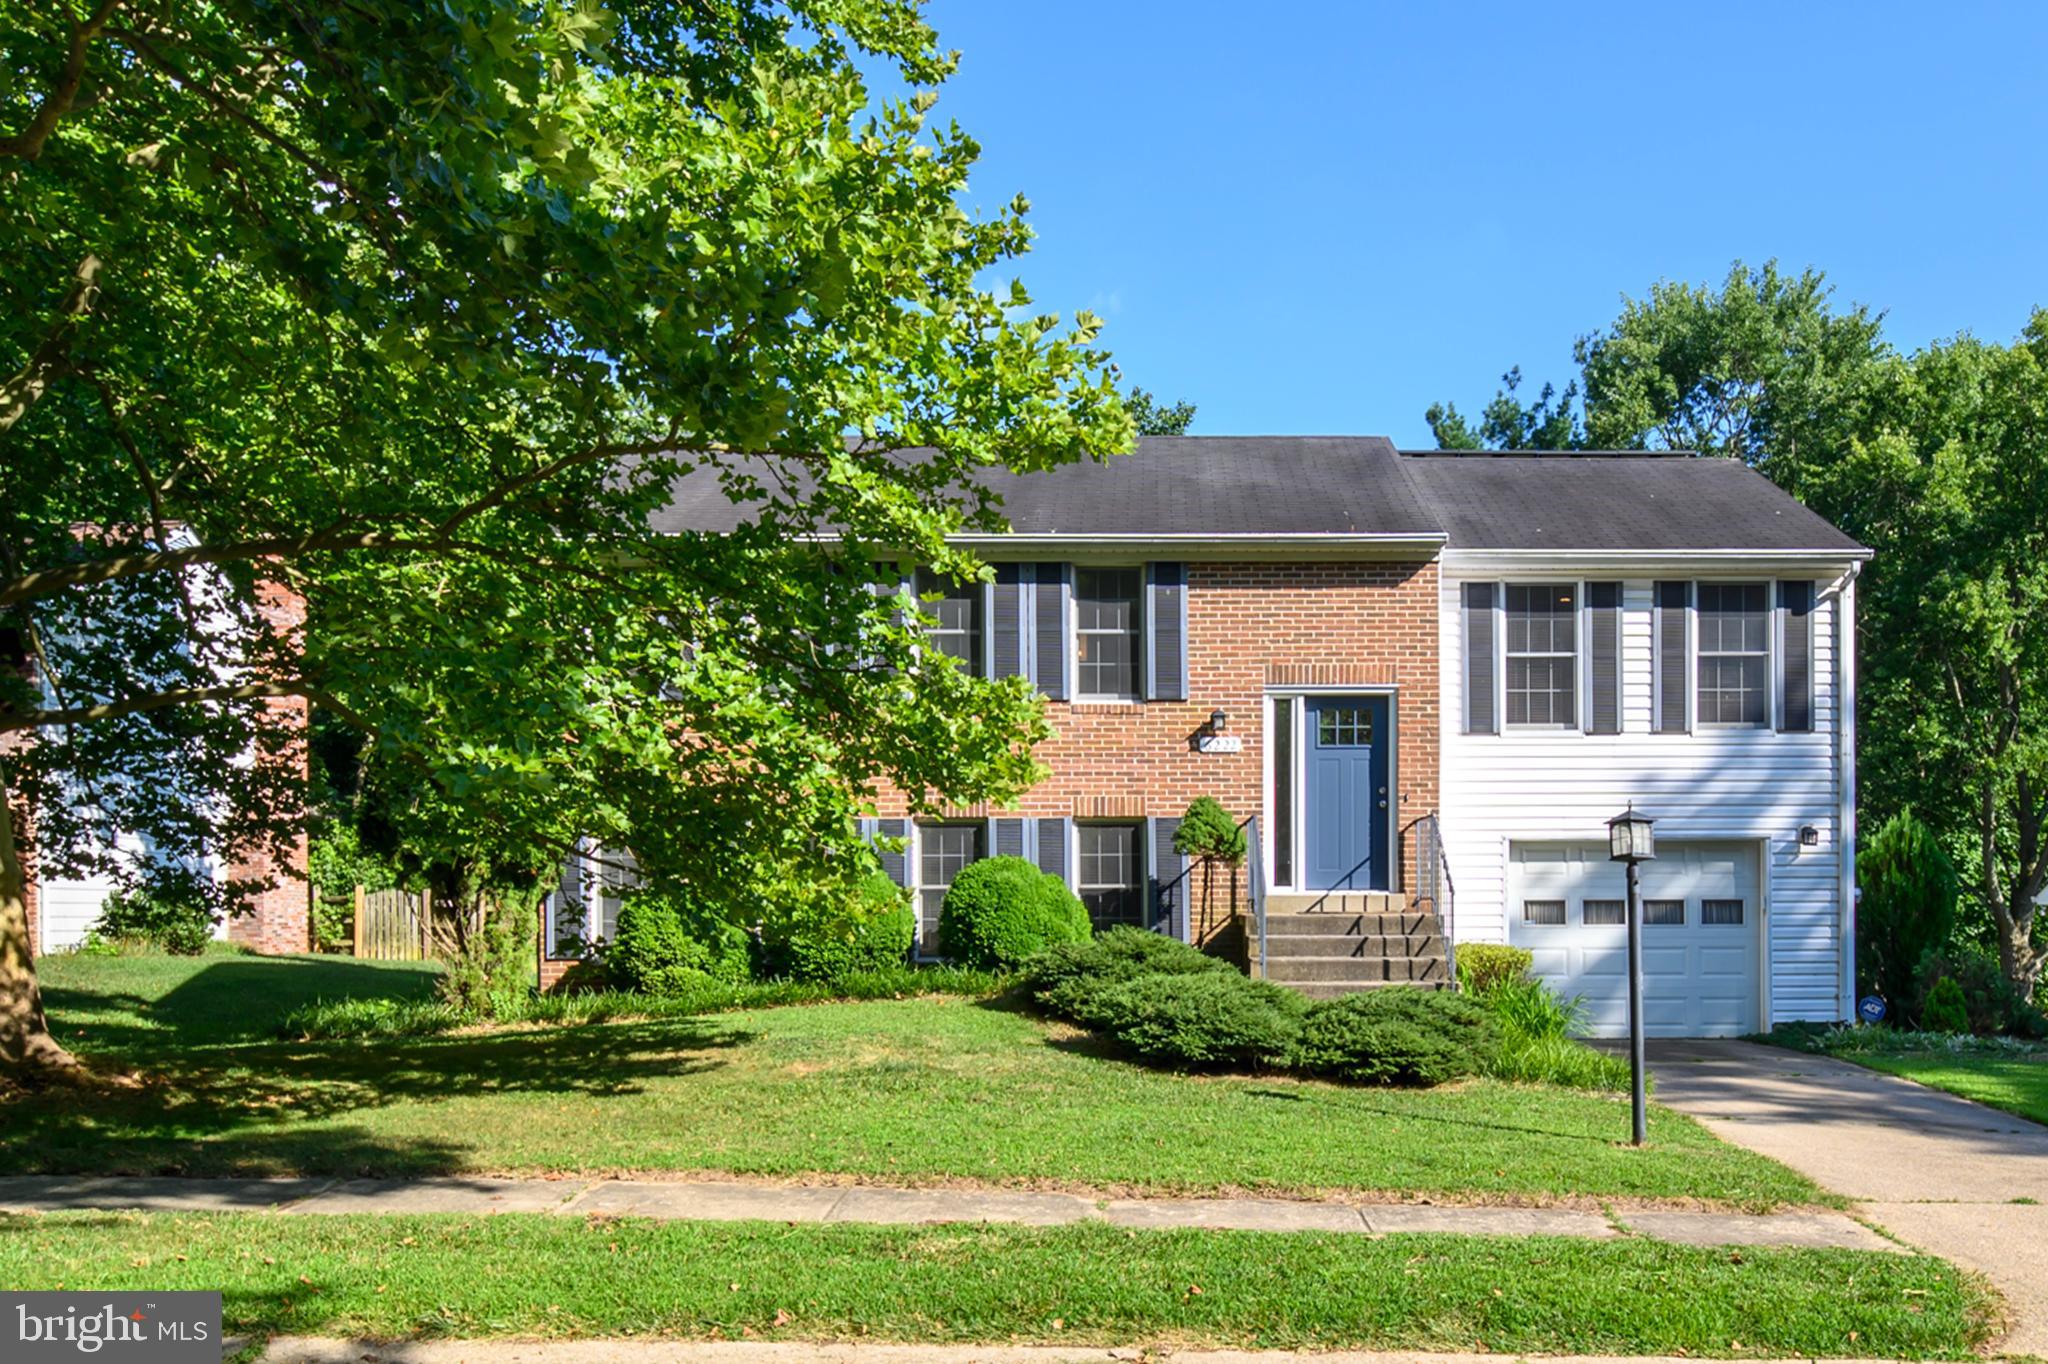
1845 767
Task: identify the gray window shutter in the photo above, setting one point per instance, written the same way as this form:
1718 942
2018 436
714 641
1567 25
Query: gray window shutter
1052 846
1049 611
1795 696
1169 885
1006 622
897 863
1479 658
1672 640
1603 643
1006 836
1166 632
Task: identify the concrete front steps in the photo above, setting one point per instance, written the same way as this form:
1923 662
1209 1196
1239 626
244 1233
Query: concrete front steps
1343 942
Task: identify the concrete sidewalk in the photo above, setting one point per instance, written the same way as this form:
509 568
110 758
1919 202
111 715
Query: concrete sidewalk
311 1350
727 1201
1940 1172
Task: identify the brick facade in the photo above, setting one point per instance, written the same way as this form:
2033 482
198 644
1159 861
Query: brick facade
1252 626
281 919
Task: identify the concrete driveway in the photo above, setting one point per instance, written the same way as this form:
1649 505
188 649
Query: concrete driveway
1938 1172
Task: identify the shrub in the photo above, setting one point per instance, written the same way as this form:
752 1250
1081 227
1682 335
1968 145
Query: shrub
1990 1003
664 944
1482 965
487 971
1199 1020
1002 911
1062 978
169 913
1207 830
1398 1035
1944 1010
869 930
1908 905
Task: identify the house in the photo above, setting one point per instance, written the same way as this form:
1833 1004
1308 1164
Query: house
1426 679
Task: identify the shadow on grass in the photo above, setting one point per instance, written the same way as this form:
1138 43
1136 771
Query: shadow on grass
257 1110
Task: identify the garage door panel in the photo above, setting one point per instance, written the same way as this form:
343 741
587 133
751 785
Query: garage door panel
1698 979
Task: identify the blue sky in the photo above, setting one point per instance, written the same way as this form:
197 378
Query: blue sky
1321 217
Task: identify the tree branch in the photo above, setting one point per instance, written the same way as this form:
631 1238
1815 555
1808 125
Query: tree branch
28 143
21 390
139 705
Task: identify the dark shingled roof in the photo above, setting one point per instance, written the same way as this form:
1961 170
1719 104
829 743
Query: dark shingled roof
1613 500
1362 485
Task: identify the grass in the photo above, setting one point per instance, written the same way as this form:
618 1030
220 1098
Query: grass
910 1091
557 1277
2003 1072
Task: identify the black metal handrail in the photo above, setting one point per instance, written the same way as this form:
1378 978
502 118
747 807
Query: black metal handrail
1433 884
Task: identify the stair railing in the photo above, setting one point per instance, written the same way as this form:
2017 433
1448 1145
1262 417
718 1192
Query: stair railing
1433 884
1255 883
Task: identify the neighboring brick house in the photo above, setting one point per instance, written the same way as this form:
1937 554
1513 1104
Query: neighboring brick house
1401 665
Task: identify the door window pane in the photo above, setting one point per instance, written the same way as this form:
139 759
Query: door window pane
1111 884
1604 912
1664 913
1735 654
1344 727
1107 625
1720 911
1543 911
942 850
1542 654
956 611
1283 791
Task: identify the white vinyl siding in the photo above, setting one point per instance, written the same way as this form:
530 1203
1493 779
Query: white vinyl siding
1721 783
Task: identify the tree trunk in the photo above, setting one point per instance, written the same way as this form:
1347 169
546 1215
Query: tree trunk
27 1051
2017 957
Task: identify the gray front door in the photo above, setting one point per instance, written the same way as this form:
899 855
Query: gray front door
1345 780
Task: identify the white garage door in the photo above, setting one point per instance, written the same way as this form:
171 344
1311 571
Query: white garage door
1701 909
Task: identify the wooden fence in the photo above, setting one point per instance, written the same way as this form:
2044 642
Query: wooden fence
391 925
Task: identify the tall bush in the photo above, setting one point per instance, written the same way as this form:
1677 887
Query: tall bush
1208 834
826 937
665 943
1908 905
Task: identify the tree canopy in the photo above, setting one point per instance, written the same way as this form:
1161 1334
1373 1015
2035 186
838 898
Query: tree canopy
420 312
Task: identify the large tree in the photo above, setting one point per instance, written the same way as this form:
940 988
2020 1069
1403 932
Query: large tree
419 312
1949 487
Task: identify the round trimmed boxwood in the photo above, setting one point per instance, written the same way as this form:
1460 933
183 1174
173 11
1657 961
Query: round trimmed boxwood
664 944
1397 1035
1002 911
1199 1021
871 930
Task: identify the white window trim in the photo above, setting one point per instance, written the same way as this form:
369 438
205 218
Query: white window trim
1577 724
1773 657
1072 624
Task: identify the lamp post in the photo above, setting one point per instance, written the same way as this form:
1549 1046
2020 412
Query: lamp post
1629 841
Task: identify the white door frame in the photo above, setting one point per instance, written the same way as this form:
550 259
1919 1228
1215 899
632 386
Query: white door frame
1298 791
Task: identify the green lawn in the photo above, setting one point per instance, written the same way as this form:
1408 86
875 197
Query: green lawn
556 1277
919 1090
2017 1083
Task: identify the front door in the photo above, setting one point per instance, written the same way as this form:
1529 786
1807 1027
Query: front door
1345 781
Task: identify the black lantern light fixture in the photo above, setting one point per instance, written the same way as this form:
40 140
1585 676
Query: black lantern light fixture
1630 841
1218 721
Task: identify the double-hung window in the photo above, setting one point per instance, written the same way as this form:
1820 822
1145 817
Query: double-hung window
1111 883
1734 654
1542 653
1108 628
955 609
943 850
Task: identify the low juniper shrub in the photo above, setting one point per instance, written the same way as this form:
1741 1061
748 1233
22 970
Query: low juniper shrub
1060 979
1205 1020
1399 1035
